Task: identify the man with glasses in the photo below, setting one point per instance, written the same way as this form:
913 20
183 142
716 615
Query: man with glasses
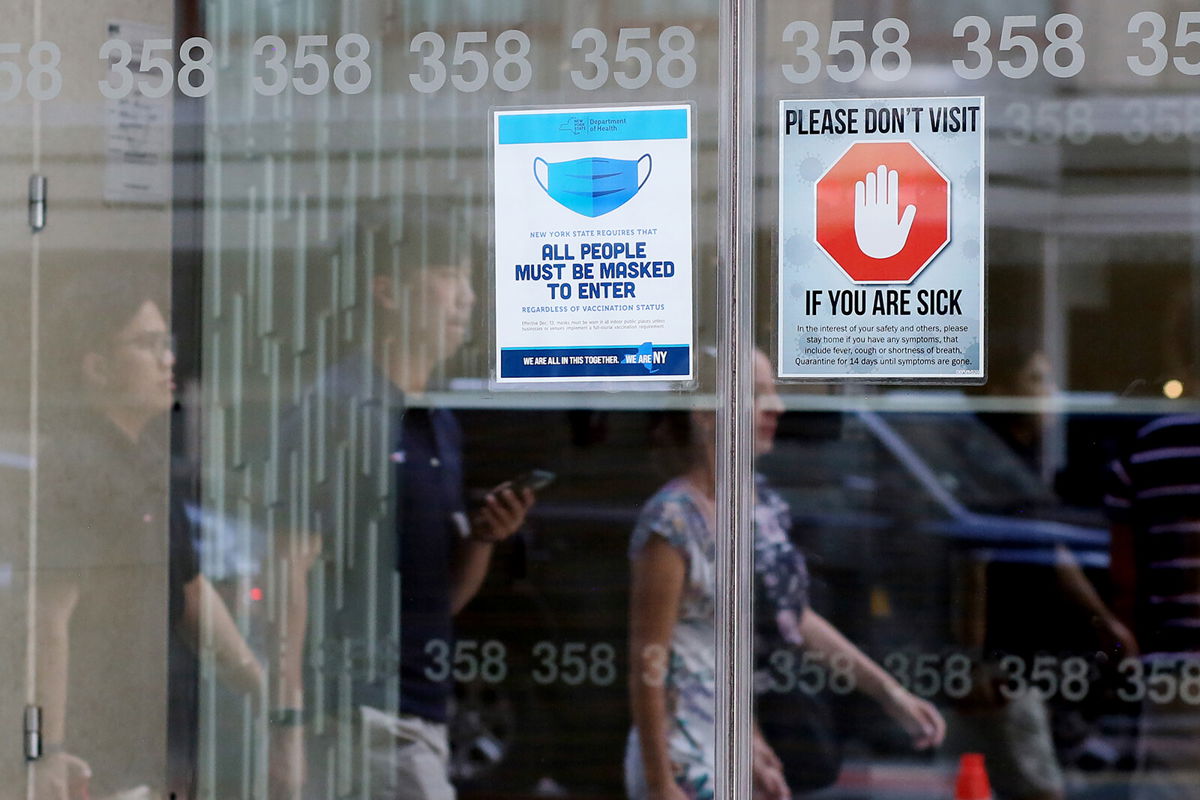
116 556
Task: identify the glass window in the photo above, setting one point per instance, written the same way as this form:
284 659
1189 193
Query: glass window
990 552
540 399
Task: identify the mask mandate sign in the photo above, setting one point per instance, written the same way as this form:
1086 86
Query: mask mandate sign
593 244
881 271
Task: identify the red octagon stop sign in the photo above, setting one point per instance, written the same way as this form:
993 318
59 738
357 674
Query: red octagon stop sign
883 212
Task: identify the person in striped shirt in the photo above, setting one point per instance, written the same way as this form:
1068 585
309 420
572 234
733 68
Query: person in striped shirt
1153 502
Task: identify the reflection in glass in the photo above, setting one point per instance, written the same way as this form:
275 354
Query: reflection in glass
119 575
672 635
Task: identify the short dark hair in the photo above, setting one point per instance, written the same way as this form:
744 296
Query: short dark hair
415 232
1009 353
88 311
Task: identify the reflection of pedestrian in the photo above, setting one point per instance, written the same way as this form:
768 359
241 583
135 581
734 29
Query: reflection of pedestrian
402 579
671 749
1021 371
1154 503
107 588
1015 733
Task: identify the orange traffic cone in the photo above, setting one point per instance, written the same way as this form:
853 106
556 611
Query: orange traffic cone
972 783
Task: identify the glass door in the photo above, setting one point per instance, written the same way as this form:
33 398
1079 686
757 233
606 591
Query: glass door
96 344
1001 555
16 258
408 398
460 281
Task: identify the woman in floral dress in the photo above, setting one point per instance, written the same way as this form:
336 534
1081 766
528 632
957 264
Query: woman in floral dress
672 748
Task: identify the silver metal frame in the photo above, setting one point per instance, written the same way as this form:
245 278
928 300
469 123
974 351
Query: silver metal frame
735 384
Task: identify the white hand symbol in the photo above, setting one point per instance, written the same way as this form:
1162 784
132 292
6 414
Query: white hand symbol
880 231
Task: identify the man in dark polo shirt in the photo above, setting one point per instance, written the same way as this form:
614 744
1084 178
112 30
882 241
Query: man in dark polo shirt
1154 503
118 580
404 553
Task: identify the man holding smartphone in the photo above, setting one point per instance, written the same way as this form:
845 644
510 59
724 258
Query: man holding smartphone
407 554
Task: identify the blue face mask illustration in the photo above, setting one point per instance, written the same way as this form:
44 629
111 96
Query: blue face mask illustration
592 186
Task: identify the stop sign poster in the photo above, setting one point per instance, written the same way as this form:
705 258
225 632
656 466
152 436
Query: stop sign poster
881 271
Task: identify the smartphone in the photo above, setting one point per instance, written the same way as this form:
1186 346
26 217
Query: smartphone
534 480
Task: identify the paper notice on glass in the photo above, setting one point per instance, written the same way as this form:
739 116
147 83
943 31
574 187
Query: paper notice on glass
593 236
881 239
137 128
